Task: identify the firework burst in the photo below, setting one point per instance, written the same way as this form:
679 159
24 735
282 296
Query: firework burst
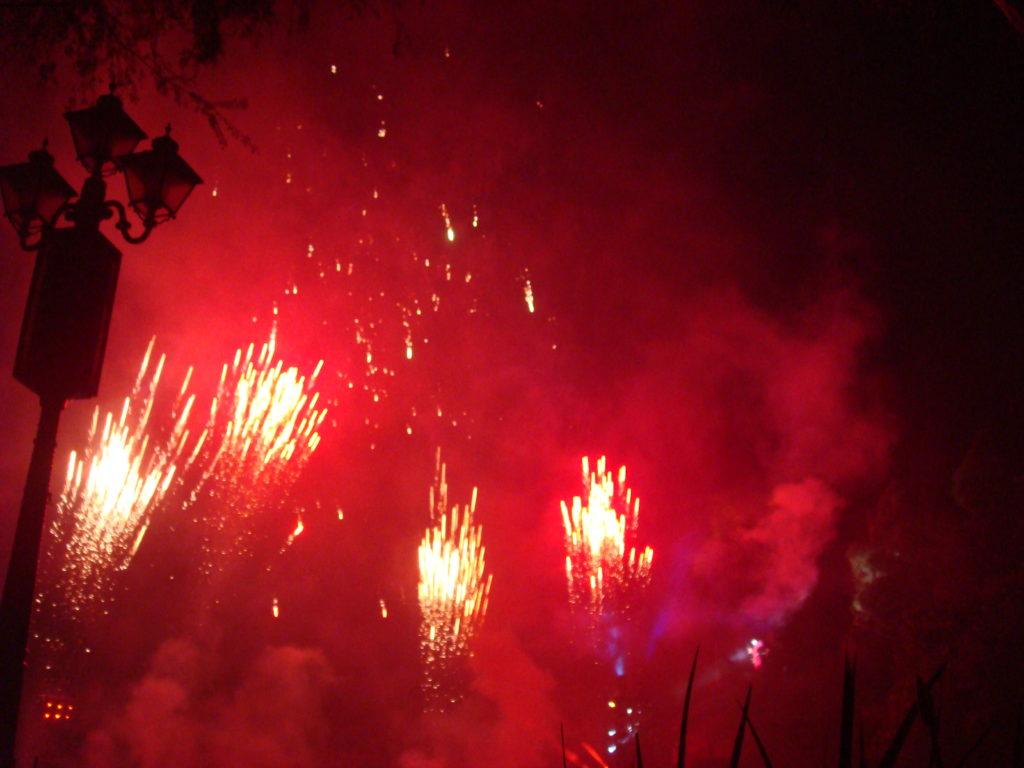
264 419
604 565
114 485
454 587
262 429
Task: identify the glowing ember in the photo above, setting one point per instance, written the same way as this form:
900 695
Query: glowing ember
756 651
449 230
454 587
114 485
408 340
528 296
439 489
603 564
296 532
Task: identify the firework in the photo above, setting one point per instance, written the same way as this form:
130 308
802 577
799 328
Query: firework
449 230
454 587
263 426
114 485
439 489
528 296
604 565
262 429
756 651
264 420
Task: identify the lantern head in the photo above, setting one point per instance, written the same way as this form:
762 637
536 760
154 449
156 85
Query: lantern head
158 180
33 192
102 133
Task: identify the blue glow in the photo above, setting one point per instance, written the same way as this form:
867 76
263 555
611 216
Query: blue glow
620 667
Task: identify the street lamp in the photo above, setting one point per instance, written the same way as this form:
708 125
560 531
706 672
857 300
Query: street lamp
33 193
67 316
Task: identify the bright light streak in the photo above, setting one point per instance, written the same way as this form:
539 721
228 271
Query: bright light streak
408 340
594 754
296 532
449 230
528 295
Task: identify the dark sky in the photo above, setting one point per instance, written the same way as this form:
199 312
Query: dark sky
775 252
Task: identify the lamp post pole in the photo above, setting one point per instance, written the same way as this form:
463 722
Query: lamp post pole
67 317
19 586
70 302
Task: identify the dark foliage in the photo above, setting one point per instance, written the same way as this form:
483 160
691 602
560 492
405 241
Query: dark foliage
923 707
162 45
737 746
681 760
846 725
761 750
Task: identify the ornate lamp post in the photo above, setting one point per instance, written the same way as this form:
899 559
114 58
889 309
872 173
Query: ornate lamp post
67 316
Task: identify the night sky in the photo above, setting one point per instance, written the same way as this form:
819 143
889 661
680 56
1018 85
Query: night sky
775 259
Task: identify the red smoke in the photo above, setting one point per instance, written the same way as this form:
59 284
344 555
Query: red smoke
275 715
705 224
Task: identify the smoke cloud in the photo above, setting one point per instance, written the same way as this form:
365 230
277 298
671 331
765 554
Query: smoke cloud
741 273
504 722
275 715
788 540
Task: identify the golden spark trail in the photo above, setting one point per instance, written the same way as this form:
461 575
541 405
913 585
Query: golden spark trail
113 487
264 418
454 587
263 422
528 296
449 230
263 428
603 563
